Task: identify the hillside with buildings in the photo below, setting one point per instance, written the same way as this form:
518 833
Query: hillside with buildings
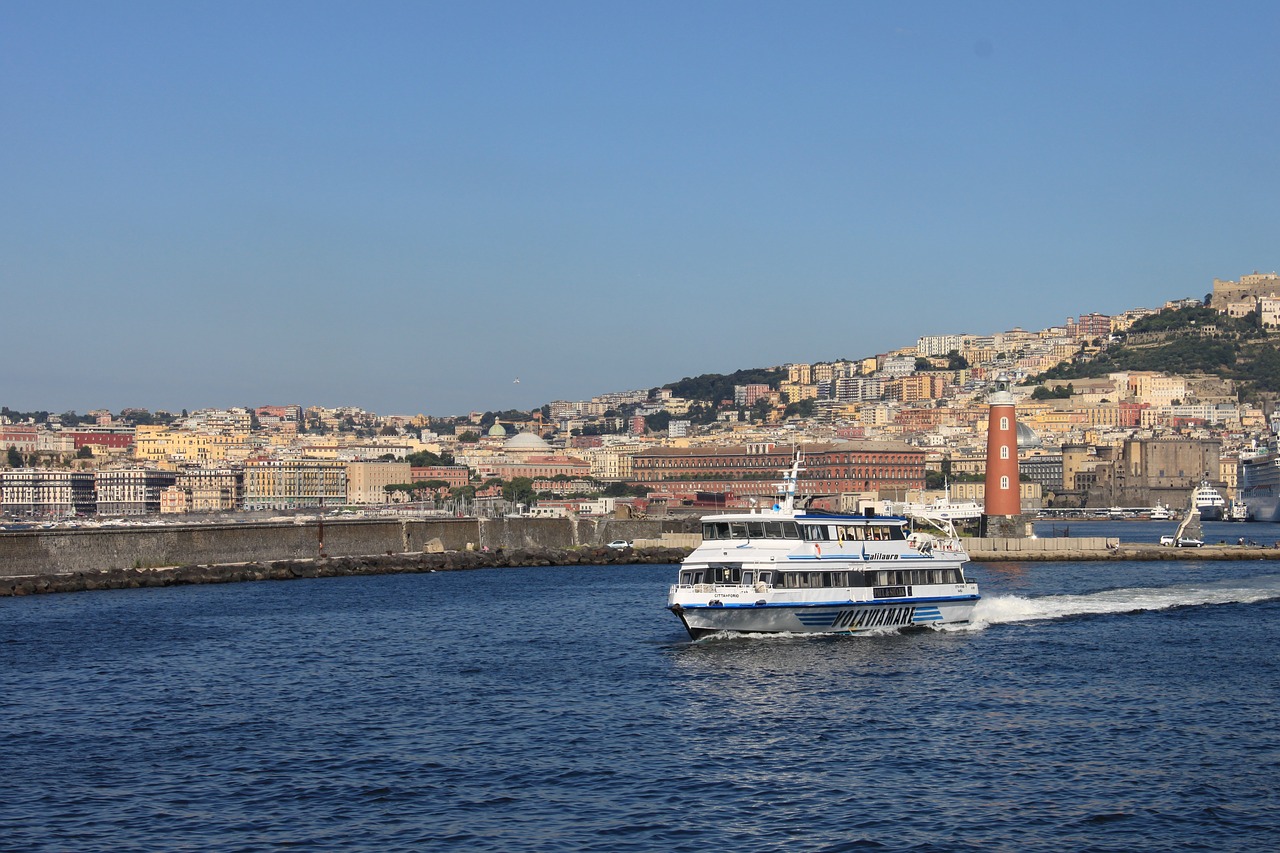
1129 409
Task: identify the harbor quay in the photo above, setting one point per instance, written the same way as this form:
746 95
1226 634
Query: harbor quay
1073 549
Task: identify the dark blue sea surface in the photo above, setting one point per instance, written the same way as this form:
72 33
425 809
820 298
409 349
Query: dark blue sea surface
1093 706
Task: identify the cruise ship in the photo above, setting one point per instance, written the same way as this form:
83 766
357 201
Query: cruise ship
789 569
1258 486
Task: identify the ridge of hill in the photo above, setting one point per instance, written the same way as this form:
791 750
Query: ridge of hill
1187 341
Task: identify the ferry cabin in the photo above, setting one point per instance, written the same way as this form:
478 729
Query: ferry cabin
876 579
833 552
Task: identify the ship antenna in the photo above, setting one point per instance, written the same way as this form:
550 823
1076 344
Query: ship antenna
787 488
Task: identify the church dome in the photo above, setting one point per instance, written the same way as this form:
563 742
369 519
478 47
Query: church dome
526 441
1027 436
497 430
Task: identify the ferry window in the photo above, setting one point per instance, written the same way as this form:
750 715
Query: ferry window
755 529
686 578
817 579
881 577
789 530
738 529
901 578
773 530
935 575
766 577
897 532
839 579
859 533
814 533
748 578
724 574
716 530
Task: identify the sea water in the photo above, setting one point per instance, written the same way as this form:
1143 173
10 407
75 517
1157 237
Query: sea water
1106 706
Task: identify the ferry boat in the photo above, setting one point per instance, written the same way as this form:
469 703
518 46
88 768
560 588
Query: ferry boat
788 569
1160 512
1258 487
1209 502
942 508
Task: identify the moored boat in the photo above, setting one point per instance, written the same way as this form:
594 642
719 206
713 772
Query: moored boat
788 569
1209 502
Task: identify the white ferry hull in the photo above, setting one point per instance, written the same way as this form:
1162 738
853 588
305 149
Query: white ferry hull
846 618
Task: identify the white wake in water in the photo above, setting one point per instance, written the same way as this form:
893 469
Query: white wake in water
1000 609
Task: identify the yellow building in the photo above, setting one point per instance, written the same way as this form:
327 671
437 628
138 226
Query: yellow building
170 449
367 481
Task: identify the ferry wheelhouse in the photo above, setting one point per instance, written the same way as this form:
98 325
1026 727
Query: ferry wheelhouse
787 569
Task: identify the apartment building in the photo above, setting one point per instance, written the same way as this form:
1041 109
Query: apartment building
938 345
171 449
294 484
131 491
367 481
43 493
204 490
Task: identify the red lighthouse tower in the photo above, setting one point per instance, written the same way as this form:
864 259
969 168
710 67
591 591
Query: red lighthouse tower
1002 511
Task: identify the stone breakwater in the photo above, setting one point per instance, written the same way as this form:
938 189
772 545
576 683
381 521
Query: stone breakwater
1125 552
328 567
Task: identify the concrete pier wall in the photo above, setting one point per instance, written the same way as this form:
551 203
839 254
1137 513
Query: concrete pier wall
48 552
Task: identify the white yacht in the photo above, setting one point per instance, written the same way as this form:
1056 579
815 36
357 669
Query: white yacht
790 570
1209 502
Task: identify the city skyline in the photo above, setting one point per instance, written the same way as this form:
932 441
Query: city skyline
405 207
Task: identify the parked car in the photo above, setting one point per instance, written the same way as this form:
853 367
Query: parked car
1166 541
619 543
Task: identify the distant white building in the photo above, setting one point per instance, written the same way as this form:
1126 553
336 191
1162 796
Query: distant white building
936 345
898 366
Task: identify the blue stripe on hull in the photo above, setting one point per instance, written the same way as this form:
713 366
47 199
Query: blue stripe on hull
847 617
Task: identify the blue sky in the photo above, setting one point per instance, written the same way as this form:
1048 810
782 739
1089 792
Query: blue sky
405 206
